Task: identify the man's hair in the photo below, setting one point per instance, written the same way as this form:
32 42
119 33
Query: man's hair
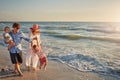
16 25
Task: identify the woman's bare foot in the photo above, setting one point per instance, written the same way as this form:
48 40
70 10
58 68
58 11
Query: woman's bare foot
39 67
34 69
28 68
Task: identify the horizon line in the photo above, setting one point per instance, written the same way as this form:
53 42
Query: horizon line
59 21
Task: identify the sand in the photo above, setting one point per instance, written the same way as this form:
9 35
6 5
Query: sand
55 71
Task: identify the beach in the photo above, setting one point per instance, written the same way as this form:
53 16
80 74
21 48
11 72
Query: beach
55 71
81 39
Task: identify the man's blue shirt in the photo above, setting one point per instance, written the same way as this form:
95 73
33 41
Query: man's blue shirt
17 38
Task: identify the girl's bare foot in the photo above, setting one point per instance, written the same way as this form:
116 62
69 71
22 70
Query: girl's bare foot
45 69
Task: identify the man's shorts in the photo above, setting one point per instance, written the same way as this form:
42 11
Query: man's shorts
16 57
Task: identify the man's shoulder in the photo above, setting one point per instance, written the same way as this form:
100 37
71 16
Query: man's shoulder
11 32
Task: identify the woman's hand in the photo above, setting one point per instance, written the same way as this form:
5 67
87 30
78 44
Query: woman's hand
35 38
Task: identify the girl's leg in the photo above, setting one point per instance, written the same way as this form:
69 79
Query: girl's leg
40 66
45 66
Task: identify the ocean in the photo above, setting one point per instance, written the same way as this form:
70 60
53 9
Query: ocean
85 46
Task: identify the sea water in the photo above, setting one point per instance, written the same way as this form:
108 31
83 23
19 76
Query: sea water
85 46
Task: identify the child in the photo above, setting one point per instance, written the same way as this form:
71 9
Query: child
7 38
42 56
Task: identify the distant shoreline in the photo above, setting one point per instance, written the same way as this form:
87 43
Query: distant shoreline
65 21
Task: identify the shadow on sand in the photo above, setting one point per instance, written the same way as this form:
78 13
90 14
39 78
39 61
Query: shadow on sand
7 74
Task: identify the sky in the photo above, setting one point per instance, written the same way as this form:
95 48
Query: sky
60 10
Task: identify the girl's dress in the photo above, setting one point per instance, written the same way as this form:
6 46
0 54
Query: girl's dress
42 57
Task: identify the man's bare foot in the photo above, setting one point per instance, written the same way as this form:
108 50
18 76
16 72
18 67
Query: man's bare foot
21 74
14 72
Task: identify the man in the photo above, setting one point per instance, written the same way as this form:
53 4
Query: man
16 50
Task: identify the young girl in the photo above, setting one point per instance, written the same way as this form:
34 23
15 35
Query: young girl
7 38
42 56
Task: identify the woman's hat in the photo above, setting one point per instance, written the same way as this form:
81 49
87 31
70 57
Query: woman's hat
35 27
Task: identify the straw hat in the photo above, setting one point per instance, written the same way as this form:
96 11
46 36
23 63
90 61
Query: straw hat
35 27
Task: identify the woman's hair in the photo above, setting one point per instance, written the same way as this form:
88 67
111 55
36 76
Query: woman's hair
38 32
16 25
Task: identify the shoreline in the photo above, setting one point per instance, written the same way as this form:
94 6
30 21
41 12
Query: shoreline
55 71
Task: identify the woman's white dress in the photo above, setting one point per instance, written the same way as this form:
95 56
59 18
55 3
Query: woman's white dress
31 58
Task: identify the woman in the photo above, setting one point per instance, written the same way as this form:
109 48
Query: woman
35 33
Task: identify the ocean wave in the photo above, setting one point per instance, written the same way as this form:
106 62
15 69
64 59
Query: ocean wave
49 32
75 28
3 43
76 37
94 30
85 63
1 24
54 27
70 37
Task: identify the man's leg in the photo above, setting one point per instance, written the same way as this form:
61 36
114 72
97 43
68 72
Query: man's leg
17 66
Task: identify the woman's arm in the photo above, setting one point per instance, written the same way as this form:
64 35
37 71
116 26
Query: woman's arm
26 38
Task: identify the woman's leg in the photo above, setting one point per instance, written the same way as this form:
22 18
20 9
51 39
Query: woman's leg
35 60
28 59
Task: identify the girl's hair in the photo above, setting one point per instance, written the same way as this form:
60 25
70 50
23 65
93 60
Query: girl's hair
6 28
34 46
